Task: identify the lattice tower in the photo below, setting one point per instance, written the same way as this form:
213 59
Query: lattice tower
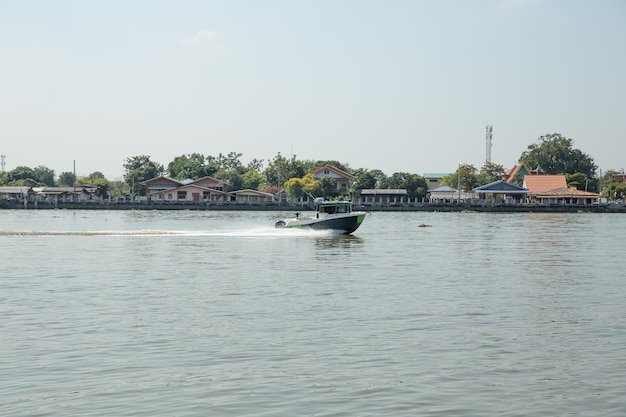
488 136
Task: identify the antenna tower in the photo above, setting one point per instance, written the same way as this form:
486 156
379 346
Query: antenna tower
2 158
488 143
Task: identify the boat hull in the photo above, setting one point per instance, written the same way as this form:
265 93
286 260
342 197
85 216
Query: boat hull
344 224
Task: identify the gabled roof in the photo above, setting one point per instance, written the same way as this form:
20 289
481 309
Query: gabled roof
189 187
161 179
274 189
542 183
443 189
567 193
336 170
514 170
501 187
253 192
207 179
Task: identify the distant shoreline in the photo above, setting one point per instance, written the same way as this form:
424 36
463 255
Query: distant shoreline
413 207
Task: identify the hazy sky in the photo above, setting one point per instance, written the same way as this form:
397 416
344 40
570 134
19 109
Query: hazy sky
400 86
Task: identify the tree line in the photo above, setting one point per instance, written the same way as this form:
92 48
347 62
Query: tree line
552 154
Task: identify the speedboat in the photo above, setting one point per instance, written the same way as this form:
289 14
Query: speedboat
329 215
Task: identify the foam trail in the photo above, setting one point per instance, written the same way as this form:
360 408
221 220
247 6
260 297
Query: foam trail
89 232
255 232
261 232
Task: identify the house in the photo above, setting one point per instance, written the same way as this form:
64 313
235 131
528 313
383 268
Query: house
253 196
566 196
154 185
511 193
537 184
279 192
553 189
447 194
343 179
433 180
619 177
191 192
68 194
210 182
16 192
203 189
541 183
383 196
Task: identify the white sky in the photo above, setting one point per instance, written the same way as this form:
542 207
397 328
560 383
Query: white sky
395 85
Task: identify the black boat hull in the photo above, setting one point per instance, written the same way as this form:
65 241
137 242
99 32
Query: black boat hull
346 225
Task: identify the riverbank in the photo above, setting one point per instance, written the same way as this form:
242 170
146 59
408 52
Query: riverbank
432 207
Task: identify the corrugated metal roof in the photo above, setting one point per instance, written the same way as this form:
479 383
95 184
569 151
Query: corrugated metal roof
14 189
435 175
384 191
444 189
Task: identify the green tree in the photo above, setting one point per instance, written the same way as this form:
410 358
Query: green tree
5 178
280 169
67 179
619 192
97 180
466 173
253 180
22 176
555 154
365 181
192 166
336 164
306 186
231 162
44 176
580 181
328 187
23 173
232 177
140 168
118 189
255 165
414 184
231 170
294 188
96 175
102 184
312 186
84 181
489 173
612 185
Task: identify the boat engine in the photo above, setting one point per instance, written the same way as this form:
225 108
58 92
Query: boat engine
280 224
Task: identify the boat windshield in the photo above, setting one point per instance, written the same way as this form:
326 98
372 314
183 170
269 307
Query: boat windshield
341 208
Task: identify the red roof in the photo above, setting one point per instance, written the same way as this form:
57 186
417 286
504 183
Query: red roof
510 173
335 170
541 183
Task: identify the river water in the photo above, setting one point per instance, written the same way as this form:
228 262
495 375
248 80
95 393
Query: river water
152 313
